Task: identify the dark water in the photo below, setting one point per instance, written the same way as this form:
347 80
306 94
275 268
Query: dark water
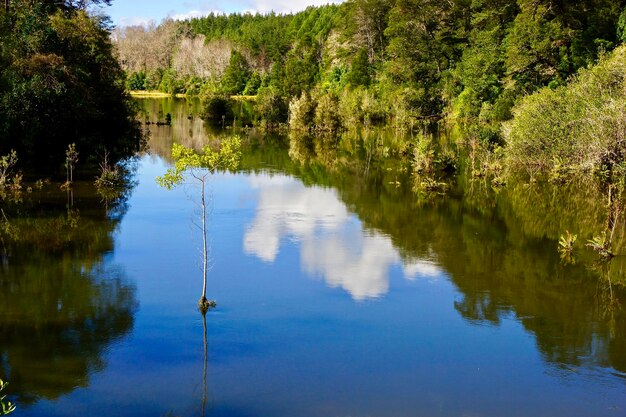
340 290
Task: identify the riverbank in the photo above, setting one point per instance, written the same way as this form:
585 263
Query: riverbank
161 94
153 94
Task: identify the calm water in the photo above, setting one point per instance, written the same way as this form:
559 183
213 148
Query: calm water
339 293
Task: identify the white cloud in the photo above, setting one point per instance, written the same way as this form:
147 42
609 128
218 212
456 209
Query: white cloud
332 244
286 207
192 14
421 269
286 6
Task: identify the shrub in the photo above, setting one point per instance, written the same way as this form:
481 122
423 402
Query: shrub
582 125
301 112
327 113
5 407
217 109
270 106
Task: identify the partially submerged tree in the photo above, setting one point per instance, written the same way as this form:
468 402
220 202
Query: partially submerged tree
197 168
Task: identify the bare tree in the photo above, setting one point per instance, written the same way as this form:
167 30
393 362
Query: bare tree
196 57
148 48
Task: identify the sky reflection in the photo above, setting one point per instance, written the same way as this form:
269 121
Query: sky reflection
333 244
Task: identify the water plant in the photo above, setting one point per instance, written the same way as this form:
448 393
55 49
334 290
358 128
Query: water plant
566 247
110 175
71 158
602 245
7 166
10 181
6 407
423 156
566 242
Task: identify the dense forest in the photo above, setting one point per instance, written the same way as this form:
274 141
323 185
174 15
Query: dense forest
60 84
469 60
485 67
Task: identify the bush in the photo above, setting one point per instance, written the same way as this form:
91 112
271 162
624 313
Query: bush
171 84
271 107
301 113
327 113
59 84
136 81
253 84
217 109
582 125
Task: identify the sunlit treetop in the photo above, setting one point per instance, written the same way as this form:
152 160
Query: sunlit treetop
199 165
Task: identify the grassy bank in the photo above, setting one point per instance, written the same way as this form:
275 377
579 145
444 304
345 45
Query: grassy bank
153 94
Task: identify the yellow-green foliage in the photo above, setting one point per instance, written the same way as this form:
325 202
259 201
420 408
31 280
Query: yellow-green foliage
327 113
301 112
187 160
581 125
360 105
5 407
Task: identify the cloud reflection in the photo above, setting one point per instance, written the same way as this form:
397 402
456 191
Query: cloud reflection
333 244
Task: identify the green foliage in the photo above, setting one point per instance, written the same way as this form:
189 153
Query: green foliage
602 245
111 178
60 83
360 71
301 68
301 112
227 157
471 60
71 159
5 407
170 83
136 81
236 76
7 167
566 242
423 156
581 125
253 84
327 113
621 26
270 107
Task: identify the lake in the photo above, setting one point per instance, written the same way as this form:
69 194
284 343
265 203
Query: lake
341 291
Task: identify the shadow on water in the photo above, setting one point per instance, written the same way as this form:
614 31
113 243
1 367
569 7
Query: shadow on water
61 304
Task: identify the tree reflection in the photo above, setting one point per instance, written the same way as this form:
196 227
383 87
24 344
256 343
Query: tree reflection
61 304
499 250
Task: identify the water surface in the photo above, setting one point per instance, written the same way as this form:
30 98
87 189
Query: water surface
340 292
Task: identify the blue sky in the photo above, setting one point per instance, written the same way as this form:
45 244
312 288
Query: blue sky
131 12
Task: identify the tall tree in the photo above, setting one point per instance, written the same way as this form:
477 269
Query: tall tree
236 75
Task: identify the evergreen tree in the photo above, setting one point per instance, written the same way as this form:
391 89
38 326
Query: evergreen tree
236 76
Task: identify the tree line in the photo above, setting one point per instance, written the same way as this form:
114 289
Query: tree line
470 60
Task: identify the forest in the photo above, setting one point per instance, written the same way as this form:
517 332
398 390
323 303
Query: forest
468 64
61 85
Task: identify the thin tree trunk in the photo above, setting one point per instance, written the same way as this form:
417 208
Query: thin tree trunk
204 244
6 5
206 357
